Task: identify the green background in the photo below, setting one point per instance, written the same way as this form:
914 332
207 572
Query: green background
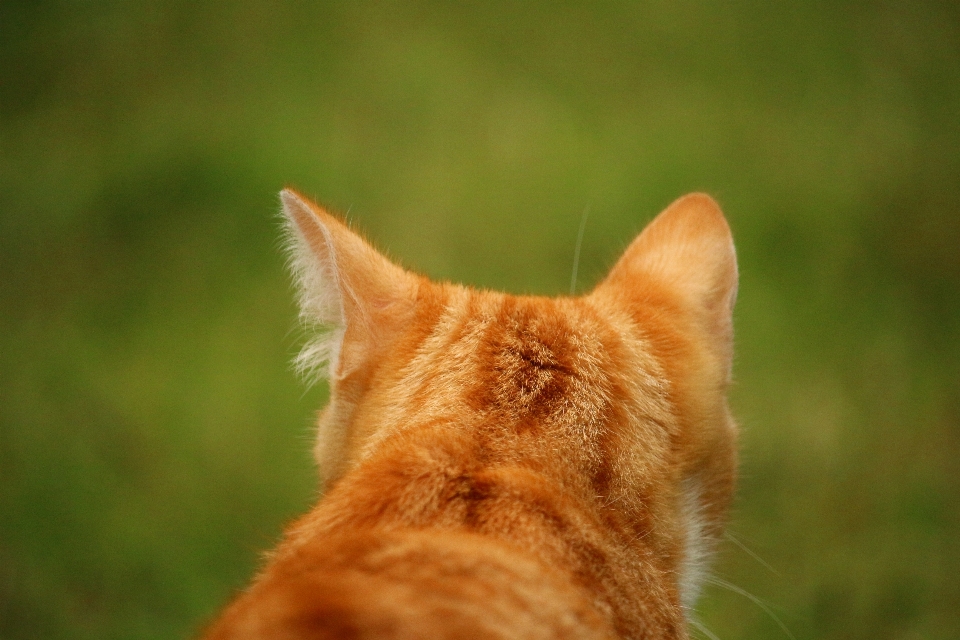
153 438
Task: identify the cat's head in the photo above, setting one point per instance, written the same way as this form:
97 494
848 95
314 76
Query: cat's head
618 395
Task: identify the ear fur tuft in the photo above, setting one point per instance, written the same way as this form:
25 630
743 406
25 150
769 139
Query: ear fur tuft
355 297
312 261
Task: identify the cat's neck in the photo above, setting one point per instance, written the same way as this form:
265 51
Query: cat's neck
440 478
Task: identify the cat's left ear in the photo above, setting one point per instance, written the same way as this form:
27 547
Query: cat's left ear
686 252
350 288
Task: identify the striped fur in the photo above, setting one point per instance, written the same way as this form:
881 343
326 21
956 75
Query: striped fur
500 466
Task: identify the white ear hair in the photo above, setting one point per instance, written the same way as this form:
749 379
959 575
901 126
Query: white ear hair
315 271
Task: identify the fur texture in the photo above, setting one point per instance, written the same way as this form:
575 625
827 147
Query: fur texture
500 466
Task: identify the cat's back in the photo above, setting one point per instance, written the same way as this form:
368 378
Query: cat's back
412 584
462 521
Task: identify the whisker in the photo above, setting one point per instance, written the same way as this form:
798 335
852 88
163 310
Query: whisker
702 628
719 582
729 536
576 252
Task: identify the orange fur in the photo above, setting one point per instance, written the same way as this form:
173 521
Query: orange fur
500 466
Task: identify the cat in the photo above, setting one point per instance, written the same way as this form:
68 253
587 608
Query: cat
501 466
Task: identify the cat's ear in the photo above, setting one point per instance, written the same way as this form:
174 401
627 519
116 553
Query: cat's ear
688 251
356 296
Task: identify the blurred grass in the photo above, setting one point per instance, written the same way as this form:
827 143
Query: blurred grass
152 437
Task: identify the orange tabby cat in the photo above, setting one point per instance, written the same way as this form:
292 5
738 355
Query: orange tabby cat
503 466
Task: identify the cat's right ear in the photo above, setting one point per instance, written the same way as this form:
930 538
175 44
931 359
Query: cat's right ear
687 253
356 296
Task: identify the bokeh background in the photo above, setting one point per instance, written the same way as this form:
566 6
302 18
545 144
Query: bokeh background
153 437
